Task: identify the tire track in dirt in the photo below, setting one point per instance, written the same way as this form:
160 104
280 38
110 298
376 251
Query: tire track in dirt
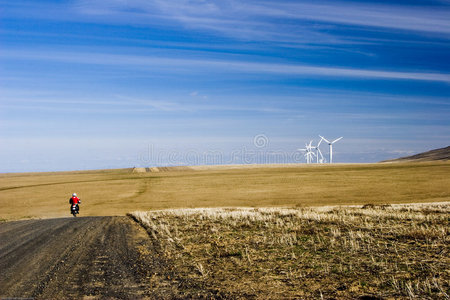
98 257
63 182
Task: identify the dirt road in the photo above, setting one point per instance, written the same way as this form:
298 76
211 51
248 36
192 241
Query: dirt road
92 257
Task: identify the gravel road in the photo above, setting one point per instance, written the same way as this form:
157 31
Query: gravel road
84 257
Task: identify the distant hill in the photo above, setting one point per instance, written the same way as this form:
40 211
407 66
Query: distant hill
437 154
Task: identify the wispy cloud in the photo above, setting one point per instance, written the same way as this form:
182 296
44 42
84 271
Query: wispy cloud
288 22
127 104
201 65
414 18
225 19
235 16
276 105
158 105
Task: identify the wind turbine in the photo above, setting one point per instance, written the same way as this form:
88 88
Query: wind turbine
331 146
319 152
309 153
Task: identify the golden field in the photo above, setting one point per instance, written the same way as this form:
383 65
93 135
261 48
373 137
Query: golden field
117 192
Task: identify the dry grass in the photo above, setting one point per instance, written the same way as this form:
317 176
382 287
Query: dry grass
116 192
398 251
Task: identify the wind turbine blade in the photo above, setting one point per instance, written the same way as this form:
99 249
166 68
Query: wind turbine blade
325 139
319 143
337 140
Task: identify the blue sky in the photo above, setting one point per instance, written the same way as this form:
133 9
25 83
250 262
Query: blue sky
87 84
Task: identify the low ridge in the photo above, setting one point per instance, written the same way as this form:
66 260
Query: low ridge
432 155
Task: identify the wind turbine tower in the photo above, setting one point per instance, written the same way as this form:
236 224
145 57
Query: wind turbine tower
331 146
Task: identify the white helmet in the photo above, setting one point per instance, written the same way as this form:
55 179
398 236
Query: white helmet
74 195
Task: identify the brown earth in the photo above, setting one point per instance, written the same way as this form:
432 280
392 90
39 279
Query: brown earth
260 253
84 257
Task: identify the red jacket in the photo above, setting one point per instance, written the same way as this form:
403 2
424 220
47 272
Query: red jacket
74 200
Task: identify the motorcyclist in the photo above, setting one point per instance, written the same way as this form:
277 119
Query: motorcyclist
74 200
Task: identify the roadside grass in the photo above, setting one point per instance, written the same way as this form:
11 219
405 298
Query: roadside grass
380 251
116 192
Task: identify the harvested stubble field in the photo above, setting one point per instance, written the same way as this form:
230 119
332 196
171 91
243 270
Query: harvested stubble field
117 192
369 252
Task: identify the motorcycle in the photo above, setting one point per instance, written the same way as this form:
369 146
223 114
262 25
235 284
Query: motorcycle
74 209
